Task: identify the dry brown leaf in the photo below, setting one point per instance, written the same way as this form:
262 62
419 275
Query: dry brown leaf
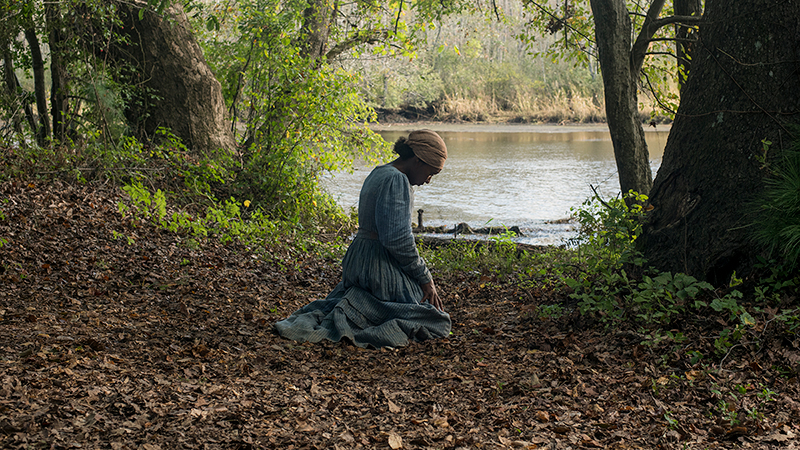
395 441
561 429
347 437
304 427
393 408
441 422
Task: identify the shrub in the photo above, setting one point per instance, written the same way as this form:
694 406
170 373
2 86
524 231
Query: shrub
777 226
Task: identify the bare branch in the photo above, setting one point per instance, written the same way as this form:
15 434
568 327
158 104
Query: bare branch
597 196
652 90
370 37
554 17
742 63
681 20
660 53
673 39
397 20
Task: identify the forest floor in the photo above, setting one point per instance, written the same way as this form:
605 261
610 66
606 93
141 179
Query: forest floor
116 334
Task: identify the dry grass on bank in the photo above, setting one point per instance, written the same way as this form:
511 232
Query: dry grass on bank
527 108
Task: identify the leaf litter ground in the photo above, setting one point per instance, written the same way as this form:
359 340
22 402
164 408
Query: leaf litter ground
164 342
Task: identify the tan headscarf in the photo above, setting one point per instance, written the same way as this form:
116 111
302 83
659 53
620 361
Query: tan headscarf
429 147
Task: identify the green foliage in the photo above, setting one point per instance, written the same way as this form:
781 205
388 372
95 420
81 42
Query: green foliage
660 299
546 312
104 109
733 400
608 230
606 246
457 256
499 256
227 222
302 117
93 102
777 225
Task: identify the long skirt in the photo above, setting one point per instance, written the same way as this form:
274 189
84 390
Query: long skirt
375 305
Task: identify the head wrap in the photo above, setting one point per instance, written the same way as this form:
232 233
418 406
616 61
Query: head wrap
429 147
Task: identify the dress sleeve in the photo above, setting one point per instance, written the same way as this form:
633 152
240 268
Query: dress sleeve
393 222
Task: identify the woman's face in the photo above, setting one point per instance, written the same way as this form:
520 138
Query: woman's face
421 173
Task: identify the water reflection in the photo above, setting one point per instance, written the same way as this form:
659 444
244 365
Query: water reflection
507 175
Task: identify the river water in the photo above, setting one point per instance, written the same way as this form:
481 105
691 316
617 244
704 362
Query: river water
505 175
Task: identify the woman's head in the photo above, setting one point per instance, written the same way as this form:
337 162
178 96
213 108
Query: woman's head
425 145
424 153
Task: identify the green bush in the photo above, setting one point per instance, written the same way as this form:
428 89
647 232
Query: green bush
301 116
777 226
608 231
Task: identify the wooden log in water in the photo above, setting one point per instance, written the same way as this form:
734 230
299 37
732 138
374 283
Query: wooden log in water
444 240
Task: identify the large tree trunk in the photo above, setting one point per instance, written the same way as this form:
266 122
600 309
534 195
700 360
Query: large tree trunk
612 31
744 87
182 93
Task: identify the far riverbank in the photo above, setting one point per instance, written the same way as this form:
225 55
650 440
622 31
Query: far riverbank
486 127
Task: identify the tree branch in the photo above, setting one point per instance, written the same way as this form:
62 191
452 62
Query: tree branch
369 37
673 39
597 196
682 20
661 104
496 12
643 39
397 20
660 53
650 26
554 17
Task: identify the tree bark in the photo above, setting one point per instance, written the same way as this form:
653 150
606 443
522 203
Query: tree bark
11 87
181 92
43 128
613 36
317 22
744 87
59 86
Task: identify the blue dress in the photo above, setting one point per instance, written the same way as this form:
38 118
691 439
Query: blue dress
377 303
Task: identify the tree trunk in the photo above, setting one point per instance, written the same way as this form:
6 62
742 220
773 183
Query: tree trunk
317 22
181 93
58 72
744 87
612 32
11 87
684 36
43 129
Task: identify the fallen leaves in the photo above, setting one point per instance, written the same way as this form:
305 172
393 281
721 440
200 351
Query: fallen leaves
104 343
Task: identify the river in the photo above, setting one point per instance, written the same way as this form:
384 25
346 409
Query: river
505 175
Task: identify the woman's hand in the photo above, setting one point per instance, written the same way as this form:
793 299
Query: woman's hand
430 295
